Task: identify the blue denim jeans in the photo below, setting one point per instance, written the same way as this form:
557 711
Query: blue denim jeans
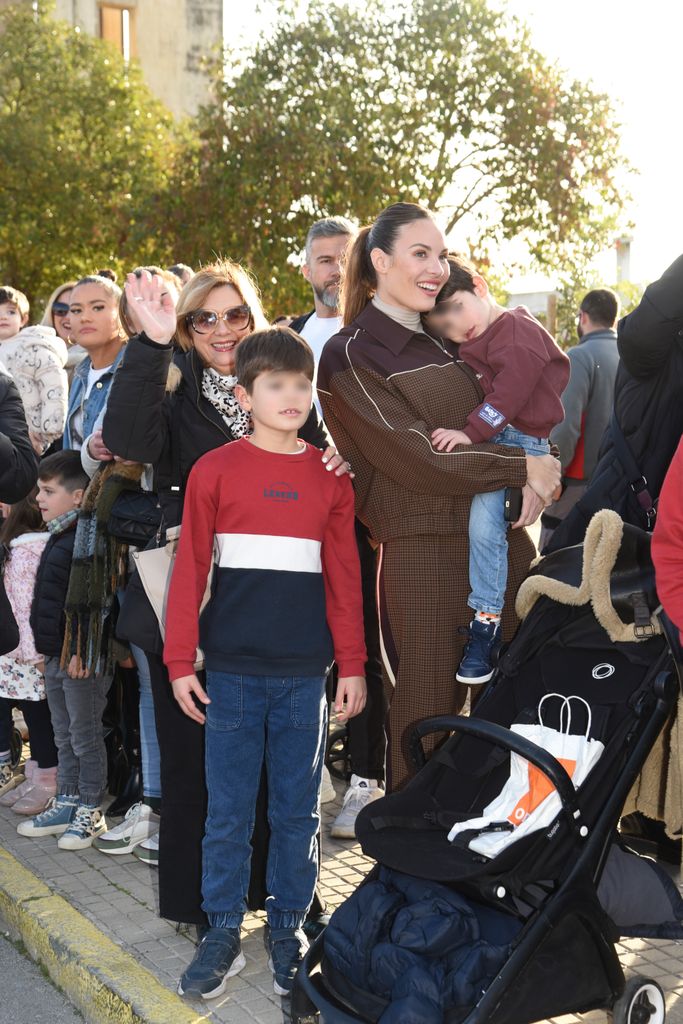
488 533
149 744
285 718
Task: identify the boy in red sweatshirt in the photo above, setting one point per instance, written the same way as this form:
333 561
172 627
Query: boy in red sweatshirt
667 542
285 602
522 372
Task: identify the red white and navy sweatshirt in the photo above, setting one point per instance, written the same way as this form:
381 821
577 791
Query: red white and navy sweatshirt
286 593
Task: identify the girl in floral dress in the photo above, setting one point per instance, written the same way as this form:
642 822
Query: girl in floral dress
23 537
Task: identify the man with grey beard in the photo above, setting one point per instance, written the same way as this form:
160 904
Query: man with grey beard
326 244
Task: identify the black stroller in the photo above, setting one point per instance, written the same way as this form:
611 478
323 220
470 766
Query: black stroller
556 899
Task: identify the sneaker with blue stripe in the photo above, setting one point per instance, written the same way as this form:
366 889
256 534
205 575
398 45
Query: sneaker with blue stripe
54 820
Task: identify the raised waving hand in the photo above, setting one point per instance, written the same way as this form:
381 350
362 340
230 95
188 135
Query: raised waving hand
151 306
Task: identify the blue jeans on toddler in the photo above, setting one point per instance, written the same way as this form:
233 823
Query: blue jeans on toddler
488 532
287 718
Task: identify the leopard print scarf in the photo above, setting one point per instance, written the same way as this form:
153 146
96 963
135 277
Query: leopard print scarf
219 390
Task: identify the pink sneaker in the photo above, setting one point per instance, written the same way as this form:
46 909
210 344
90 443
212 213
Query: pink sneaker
43 788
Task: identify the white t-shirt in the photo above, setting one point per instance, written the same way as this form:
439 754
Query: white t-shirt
316 331
77 421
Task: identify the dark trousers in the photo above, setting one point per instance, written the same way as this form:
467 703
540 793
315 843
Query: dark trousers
183 803
366 737
39 724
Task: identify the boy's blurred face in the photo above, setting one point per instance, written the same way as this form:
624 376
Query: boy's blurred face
11 320
279 400
54 499
464 315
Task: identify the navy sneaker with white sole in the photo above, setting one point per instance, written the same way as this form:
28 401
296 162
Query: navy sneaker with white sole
218 957
476 665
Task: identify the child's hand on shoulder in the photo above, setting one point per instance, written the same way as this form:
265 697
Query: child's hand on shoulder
446 440
183 689
350 698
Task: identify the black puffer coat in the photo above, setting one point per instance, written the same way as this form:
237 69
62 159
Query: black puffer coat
52 582
18 462
648 402
169 429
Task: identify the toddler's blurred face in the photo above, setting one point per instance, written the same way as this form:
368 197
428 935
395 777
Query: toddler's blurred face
461 317
11 320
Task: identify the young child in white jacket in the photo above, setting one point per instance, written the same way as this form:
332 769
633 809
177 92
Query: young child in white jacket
35 357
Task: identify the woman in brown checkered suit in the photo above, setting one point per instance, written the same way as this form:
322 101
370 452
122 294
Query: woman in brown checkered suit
384 386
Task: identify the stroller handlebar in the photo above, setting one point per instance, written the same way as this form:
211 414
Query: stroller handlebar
499 736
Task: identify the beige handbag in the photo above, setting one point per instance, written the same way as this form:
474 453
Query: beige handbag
155 568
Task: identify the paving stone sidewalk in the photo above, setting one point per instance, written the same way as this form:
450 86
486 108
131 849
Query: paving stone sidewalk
119 895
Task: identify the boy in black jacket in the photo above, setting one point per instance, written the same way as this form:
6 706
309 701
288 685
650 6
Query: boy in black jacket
74 814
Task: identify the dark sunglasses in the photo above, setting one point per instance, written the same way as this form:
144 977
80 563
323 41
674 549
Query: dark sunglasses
204 321
60 308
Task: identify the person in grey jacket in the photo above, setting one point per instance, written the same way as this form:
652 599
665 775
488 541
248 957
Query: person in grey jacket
587 400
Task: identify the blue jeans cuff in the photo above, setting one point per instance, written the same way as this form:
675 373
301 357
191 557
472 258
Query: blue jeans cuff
284 920
229 919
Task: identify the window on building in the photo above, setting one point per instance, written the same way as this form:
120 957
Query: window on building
117 27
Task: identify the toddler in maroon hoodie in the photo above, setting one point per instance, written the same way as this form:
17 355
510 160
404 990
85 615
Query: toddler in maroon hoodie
522 372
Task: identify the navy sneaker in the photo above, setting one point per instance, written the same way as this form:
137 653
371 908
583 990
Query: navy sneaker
286 948
484 640
219 956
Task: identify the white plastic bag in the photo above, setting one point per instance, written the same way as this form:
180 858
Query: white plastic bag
528 800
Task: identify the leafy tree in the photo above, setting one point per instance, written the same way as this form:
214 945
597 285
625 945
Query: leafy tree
345 110
84 146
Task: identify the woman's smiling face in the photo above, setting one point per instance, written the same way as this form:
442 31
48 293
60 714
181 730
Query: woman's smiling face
411 275
217 348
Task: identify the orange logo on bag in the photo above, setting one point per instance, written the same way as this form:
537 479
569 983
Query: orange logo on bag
540 787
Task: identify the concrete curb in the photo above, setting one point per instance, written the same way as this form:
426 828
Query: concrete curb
106 984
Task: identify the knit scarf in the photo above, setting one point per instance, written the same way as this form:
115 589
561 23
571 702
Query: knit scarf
219 390
61 523
98 570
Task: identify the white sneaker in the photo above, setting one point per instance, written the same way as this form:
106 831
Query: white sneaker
327 791
359 793
139 824
87 825
148 851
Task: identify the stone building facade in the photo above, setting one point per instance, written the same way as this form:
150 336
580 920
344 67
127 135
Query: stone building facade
168 37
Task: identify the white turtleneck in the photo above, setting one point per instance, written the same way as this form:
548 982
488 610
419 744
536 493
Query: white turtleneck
405 317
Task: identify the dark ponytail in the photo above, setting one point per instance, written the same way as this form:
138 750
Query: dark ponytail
359 280
23 517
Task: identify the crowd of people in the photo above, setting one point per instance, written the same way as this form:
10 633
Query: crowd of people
345 494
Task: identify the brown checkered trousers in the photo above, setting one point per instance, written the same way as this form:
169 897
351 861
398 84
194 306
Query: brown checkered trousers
384 389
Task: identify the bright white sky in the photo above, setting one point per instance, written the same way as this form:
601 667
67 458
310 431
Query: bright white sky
631 50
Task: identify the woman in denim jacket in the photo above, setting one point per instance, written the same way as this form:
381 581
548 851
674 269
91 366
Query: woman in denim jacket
95 325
